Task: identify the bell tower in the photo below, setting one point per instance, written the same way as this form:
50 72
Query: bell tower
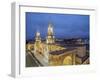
37 41
38 38
50 35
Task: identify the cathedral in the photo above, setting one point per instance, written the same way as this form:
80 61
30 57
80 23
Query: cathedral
50 53
50 39
45 51
41 49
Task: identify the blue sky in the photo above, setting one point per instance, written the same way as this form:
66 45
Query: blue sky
65 25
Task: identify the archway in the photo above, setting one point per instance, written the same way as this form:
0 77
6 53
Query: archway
67 60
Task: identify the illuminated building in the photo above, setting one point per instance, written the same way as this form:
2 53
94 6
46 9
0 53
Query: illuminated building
38 38
50 35
37 45
50 53
40 50
62 57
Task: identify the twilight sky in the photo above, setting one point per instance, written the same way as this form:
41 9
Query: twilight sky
65 25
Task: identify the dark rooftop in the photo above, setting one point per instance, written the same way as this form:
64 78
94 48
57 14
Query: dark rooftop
61 51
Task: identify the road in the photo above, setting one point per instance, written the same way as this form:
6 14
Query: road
31 61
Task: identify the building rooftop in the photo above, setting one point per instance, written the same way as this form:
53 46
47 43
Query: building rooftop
61 51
